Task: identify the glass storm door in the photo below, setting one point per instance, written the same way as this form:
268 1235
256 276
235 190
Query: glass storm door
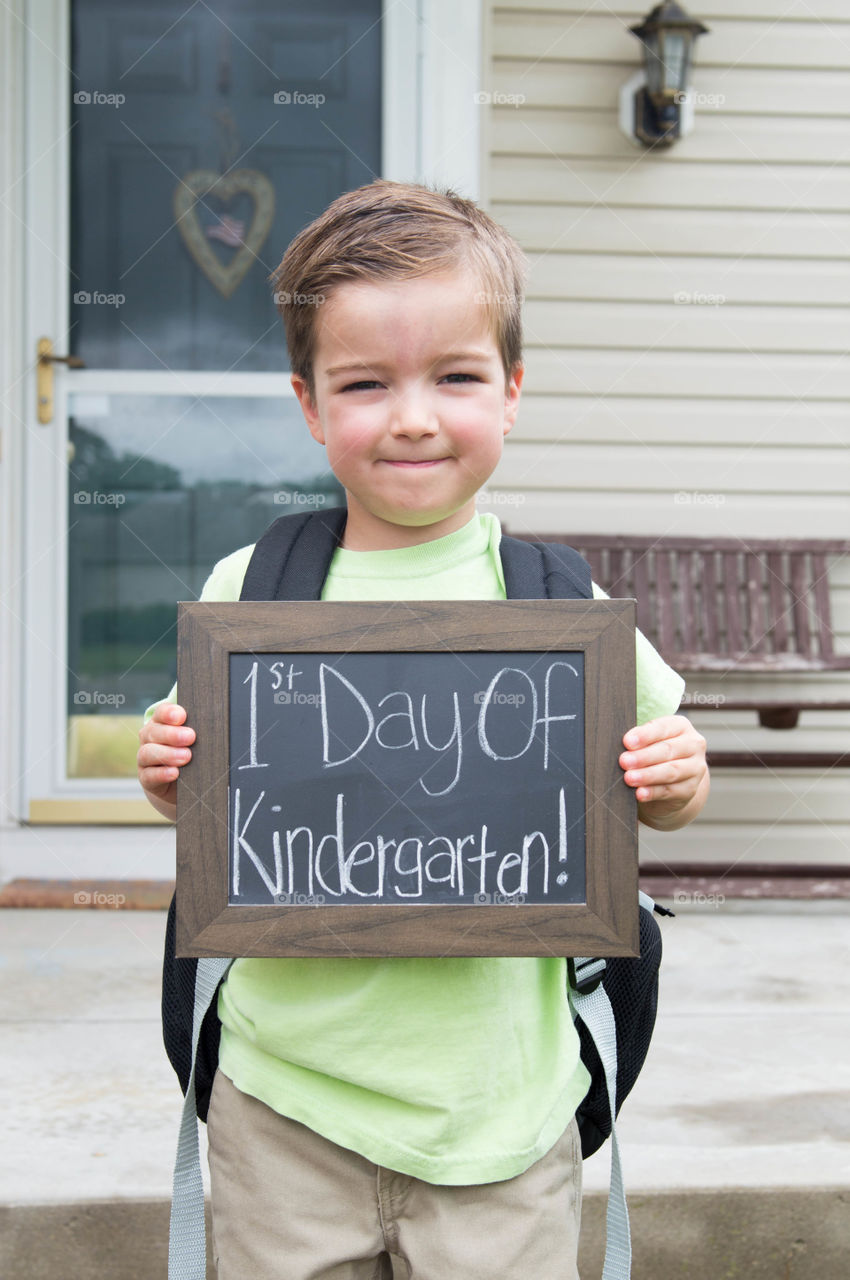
175 150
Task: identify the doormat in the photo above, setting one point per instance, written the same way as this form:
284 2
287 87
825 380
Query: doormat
698 883
89 895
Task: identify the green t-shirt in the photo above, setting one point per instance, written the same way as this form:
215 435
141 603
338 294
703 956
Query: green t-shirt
454 1070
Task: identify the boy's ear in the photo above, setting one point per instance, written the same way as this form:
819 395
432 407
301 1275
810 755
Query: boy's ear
308 407
512 395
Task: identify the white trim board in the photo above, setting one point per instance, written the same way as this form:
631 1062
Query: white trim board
15 386
80 852
432 75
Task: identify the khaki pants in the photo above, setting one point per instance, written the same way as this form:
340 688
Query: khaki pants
287 1204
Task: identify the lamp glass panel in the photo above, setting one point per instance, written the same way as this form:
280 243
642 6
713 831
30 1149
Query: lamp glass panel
674 46
652 60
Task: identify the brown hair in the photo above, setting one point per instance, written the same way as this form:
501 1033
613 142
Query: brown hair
392 231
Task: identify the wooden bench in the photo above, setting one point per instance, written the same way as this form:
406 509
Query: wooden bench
722 605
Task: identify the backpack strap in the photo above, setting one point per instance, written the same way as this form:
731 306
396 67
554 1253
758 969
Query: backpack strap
544 571
590 1001
292 558
594 1009
187 1242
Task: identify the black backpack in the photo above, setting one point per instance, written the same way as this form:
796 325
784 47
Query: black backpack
290 562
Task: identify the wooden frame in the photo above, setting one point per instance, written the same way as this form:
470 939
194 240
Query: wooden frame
605 923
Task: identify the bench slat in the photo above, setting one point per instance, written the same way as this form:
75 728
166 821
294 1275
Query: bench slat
710 606
617 572
777 589
800 606
594 557
642 592
733 664
663 601
756 629
731 584
830 546
821 595
687 589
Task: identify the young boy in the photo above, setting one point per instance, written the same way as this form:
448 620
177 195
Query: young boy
417 1107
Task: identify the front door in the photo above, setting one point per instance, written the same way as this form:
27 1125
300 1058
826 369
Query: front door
172 155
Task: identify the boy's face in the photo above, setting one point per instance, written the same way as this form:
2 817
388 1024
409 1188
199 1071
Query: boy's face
411 404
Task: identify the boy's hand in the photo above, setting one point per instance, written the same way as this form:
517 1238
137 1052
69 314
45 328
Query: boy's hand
665 763
165 743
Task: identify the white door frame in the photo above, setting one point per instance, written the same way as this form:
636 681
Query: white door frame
431 133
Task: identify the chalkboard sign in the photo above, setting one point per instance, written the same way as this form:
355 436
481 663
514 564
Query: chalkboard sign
407 779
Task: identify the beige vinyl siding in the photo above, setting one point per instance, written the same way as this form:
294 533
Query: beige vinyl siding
687 328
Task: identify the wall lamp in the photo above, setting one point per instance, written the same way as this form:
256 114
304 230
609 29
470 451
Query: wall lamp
655 108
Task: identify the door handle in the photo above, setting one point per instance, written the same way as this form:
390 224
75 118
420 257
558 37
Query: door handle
45 361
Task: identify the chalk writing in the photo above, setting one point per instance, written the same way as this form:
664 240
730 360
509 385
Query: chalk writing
427 777
329 860
251 679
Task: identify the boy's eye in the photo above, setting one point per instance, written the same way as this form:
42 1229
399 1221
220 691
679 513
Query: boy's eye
463 377
366 384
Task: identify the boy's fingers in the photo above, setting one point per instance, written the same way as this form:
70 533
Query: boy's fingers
671 738
656 753
158 779
165 742
643 735
169 713
171 734
664 774
152 754
645 794
660 752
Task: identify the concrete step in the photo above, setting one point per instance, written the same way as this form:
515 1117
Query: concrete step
736 1140
694 1235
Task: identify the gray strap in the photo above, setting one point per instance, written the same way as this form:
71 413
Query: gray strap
187 1241
594 1009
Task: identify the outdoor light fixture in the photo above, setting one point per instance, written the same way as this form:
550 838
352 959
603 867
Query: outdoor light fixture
654 105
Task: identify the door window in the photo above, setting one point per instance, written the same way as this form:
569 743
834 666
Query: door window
203 138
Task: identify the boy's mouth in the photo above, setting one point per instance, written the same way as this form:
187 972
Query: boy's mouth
413 462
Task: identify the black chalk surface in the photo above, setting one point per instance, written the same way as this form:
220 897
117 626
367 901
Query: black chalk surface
406 777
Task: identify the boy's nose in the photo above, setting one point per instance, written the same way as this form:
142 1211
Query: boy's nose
412 416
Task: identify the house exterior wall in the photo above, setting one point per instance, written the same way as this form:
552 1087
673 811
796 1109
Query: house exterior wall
686 333
686 327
